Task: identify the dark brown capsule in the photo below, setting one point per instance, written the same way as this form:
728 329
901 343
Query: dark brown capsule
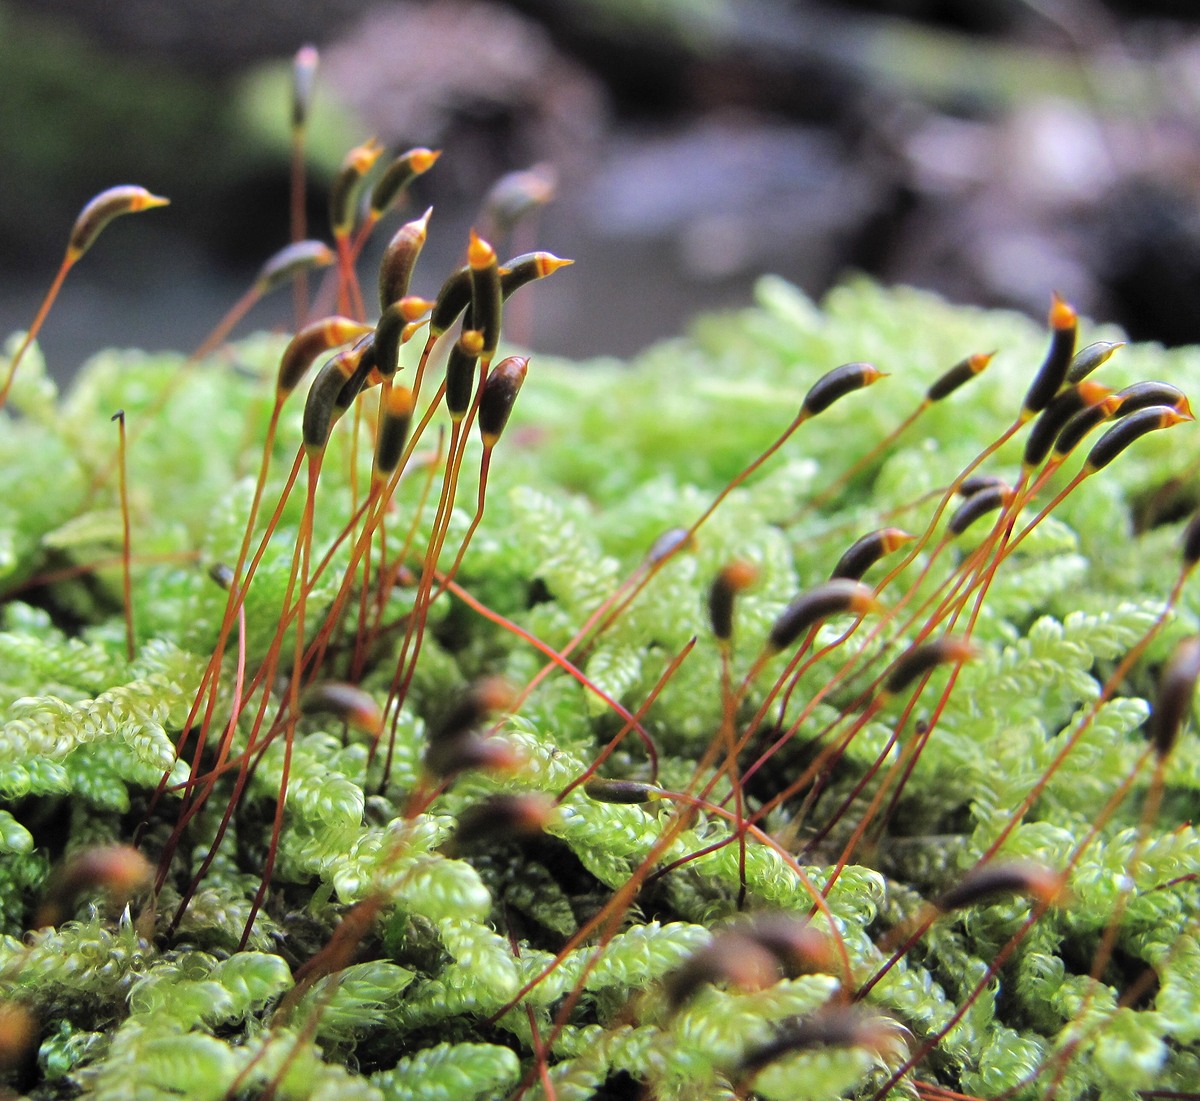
830 1026
920 659
968 487
221 574
527 268
1078 426
1053 371
304 78
289 261
1088 359
1176 688
1054 417
117 871
453 297
397 176
837 384
834 597
400 258
987 882
958 375
1191 542
486 297
472 753
977 505
731 580
732 957
1141 395
503 818
310 342
102 209
799 948
320 406
395 419
20 1031
345 702
358 380
460 373
1131 428
482 698
499 393
628 792
863 553
347 184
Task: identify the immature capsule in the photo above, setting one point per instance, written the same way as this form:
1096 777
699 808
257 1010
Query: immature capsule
395 419
1176 687
731 580
990 880
499 394
837 384
731 957
304 77
628 792
343 193
968 487
1125 431
830 598
472 753
289 261
1088 359
1141 395
482 698
516 195
799 948
503 818
1054 417
310 342
320 408
486 295
528 267
118 871
920 659
863 553
345 702
1074 431
396 325
1053 371
363 371
830 1026
400 258
977 505
102 209
460 373
958 375
397 176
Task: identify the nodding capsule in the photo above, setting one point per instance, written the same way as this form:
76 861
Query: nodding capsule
460 372
516 195
395 419
968 487
958 375
1079 425
830 1026
668 543
1191 542
1141 395
1125 431
730 580
395 328
398 175
503 818
453 297
977 505
499 393
310 342
304 77
290 261
400 258
343 193
345 702
102 209
119 871
837 384
1176 687
320 407
486 296
472 753
731 957
1053 371
988 881
863 553
626 792
829 598
482 698
526 268
920 659
1054 417
363 370
1088 359
799 948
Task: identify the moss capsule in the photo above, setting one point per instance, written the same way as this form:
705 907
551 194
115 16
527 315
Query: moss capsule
731 580
732 957
304 78
345 702
102 209
990 881
310 342
830 598
1131 428
397 176
528 267
486 296
290 261
958 375
400 258
503 818
1176 687
1141 395
837 384
320 408
395 419
628 792
920 659
863 553
499 394
460 373
344 191
977 505
1054 417
516 195
1087 359
1053 371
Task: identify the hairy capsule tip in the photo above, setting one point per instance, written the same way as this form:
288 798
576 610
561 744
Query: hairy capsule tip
102 209
731 957
732 579
920 659
1053 371
1176 687
977 505
990 880
472 753
837 384
398 175
395 419
345 702
504 818
304 77
829 598
1128 429
1087 359
958 375
117 871
1141 395
308 343
830 1026
289 261
400 258
621 791
499 394
221 574
863 553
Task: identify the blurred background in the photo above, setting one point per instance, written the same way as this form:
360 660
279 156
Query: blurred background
992 150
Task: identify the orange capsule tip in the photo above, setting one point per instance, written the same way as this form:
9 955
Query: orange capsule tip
479 253
422 160
413 307
980 360
1062 313
471 342
739 575
362 157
